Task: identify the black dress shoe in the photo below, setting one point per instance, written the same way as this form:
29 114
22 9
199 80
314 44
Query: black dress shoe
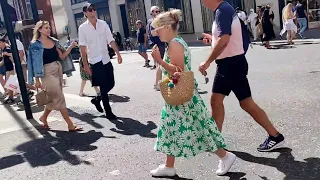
111 117
96 102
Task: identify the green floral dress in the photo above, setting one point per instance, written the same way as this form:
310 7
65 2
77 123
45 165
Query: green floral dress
187 130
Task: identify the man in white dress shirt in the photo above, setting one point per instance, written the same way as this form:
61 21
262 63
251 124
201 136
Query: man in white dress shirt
94 37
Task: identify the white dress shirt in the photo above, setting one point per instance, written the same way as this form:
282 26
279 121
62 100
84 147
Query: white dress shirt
96 40
21 48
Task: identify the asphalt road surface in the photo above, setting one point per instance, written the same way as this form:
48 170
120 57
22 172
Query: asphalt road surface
285 83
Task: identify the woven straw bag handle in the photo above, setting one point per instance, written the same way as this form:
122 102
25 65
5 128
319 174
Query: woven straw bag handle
178 68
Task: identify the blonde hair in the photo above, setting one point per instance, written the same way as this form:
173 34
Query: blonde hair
36 33
169 18
288 13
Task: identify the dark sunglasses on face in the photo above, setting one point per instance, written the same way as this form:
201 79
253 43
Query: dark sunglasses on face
91 9
157 12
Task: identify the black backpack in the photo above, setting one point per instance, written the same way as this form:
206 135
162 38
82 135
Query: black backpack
245 36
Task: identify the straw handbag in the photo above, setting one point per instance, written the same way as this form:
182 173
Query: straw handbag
179 91
42 98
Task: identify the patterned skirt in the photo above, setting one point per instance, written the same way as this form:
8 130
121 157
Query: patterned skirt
188 130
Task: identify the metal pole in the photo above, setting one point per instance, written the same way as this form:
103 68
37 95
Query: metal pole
34 11
15 54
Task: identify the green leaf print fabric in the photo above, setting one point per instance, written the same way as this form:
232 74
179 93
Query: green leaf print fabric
187 130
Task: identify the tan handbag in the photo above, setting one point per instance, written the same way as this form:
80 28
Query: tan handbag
181 91
259 29
42 98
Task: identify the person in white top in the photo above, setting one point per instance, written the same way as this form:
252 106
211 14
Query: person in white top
242 15
23 60
252 20
94 37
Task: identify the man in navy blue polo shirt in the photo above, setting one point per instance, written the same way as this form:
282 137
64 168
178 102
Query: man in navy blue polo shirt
154 11
232 69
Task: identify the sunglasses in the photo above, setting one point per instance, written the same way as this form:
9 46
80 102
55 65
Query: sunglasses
157 12
90 9
155 32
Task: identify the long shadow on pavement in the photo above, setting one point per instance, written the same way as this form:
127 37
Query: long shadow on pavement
118 99
175 178
129 127
34 107
85 117
50 150
235 175
286 163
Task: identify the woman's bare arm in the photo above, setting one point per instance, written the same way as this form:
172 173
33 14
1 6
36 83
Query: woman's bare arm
176 54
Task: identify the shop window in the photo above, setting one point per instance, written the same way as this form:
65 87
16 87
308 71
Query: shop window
77 1
79 19
314 10
135 11
104 14
186 23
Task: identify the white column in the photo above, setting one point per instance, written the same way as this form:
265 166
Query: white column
147 5
115 18
71 20
120 21
197 16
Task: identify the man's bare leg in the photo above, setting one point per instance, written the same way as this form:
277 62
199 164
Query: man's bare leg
217 107
258 115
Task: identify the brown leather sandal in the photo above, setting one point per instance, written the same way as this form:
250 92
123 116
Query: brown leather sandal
45 126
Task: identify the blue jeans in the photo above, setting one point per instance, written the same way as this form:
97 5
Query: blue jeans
142 48
303 25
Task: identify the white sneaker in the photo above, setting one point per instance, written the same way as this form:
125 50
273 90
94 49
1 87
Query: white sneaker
163 171
225 164
157 87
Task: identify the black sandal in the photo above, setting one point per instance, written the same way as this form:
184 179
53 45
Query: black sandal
76 129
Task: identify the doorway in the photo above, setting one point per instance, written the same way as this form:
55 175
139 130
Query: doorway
124 20
282 4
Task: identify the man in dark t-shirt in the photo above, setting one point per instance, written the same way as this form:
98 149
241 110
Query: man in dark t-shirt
302 16
142 42
232 70
7 62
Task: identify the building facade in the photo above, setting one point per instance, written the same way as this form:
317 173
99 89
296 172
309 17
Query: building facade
121 15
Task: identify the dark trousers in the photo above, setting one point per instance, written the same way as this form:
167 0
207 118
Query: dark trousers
102 76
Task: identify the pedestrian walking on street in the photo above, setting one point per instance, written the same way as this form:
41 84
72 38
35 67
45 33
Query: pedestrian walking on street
302 16
252 20
84 78
94 36
8 65
154 11
232 70
23 60
185 130
267 26
45 54
289 25
2 75
142 42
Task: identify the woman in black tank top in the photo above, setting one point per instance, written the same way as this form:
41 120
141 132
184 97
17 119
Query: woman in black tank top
52 78
50 55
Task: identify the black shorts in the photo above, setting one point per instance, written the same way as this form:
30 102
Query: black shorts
232 76
8 66
102 75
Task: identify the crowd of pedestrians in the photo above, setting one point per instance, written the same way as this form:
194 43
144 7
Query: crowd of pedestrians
185 130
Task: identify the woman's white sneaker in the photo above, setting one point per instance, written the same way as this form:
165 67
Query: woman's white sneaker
163 171
225 164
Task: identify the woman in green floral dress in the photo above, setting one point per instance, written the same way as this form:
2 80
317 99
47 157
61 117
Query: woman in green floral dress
185 130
